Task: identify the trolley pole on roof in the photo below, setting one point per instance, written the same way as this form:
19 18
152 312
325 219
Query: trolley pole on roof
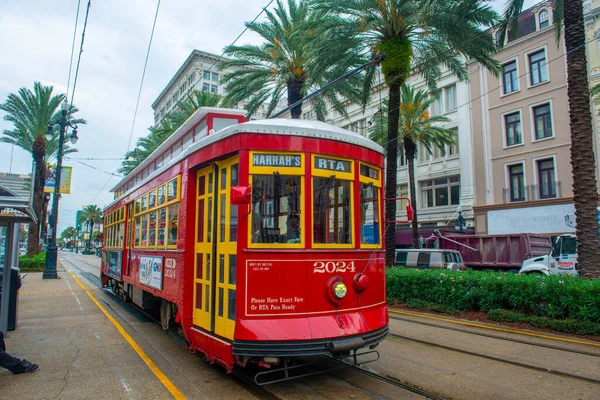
377 58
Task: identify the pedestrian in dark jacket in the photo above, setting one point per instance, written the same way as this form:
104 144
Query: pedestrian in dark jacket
13 364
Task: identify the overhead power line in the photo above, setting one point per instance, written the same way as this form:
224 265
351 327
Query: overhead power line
73 46
137 103
87 13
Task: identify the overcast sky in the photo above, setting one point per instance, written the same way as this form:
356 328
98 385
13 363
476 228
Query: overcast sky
35 45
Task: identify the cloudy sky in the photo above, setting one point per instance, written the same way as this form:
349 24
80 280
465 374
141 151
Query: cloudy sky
36 38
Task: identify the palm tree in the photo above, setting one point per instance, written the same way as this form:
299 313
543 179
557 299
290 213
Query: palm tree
416 36
159 133
585 189
30 112
91 214
298 55
68 235
416 126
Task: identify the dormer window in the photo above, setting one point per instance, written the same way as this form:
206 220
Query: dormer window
544 19
498 36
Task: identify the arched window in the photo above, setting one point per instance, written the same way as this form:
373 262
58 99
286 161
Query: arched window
543 18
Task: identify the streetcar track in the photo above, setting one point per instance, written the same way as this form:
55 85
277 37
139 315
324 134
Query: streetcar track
93 279
389 380
488 335
502 360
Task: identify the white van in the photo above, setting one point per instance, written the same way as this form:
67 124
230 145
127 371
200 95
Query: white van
430 258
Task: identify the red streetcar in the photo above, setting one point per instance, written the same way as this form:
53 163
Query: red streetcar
259 240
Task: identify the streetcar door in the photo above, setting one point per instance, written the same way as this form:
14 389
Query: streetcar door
216 246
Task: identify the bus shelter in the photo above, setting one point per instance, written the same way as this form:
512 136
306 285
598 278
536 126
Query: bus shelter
14 211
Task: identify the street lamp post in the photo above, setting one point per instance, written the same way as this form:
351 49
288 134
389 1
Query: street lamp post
51 251
460 221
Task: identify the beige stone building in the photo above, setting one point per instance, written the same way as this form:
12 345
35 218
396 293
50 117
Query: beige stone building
521 135
201 72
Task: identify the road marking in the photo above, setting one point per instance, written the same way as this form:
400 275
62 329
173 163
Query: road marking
159 374
495 328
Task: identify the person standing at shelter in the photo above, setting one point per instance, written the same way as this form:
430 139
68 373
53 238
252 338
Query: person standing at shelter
13 364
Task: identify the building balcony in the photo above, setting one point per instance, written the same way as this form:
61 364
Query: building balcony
518 194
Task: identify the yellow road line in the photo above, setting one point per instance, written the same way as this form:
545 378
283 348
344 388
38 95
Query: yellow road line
159 374
495 328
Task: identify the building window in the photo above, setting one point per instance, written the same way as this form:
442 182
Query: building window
423 152
402 161
537 67
205 87
542 121
441 192
498 37
215 77
510 79
206 75
547 184
516 182
512 124
445 102
450 98
403 192
213 88
544 20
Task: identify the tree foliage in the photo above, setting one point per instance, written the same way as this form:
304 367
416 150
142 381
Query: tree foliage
302 52
159 133
417 37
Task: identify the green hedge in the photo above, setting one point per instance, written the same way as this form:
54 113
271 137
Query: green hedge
558 297
559 325
33 264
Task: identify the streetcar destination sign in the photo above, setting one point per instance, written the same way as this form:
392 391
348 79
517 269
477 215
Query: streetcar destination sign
332 165
276 160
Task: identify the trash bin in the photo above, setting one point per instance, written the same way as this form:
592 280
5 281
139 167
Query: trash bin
13 296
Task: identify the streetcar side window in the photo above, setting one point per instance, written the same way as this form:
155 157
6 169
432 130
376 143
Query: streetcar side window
114 229
370 188
173 221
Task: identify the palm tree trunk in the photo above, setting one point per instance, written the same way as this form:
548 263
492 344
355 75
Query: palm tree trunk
582 142
294 94
391 172
410 151
39 151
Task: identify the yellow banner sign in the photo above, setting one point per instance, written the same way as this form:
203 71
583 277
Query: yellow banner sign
65 179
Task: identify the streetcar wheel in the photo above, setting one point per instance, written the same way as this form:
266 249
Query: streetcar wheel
166 314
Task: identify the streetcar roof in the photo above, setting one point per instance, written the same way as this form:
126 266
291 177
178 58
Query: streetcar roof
301 127
277 126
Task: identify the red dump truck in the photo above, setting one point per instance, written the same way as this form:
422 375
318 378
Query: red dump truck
494 252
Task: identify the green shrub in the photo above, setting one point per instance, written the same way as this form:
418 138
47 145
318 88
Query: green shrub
557 297
33 264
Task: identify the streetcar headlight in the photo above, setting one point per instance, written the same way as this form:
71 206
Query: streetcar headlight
339 290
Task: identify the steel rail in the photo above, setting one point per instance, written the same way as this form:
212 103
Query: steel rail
547 346
499 359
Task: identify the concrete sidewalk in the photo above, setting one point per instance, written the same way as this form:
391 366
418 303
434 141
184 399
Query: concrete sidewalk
79 351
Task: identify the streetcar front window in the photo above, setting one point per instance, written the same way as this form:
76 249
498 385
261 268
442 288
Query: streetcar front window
332 212
276 209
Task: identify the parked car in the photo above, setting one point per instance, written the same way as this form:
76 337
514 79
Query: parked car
430 258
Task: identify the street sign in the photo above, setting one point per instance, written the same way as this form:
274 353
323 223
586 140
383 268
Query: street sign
65 179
